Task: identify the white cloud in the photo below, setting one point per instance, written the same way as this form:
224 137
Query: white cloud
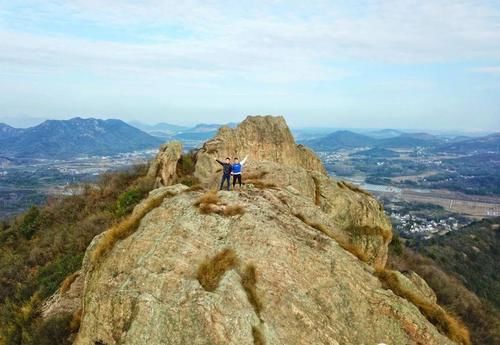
120 54
274 41
487 70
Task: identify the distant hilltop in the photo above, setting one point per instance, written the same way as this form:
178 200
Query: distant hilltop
387 139
61 139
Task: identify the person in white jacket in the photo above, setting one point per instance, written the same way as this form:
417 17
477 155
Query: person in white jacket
237 168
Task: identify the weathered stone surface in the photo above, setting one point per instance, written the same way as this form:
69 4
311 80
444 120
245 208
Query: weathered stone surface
65 302
413 282
263 138
344 209
312 291
163 167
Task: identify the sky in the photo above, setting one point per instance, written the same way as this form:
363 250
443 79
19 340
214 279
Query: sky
360 64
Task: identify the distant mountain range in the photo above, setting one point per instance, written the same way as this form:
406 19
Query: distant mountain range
348 140
62 139
340 140
489 143
166 131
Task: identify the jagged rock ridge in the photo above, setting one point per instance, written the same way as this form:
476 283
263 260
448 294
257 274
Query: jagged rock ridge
306 288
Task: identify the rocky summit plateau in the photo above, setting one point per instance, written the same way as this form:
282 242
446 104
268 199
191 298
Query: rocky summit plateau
294 257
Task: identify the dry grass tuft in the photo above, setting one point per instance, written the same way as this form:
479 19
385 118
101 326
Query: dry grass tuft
209 197
209 203
371 231
212 270
356 189
66 284
446 323
249 281
258 337
195 188
317 226
125 228
353 249
208 208
74 324
342 240
233 210
317 191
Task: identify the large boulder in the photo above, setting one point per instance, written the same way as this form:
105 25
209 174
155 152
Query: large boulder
163 168
287 282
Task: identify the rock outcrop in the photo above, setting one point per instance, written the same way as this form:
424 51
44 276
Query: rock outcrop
270 264
67 300
263 138
306 288
164 166
276 160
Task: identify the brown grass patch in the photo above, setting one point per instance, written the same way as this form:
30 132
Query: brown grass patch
209 197
126 227
209 203
74 324
317 226
249 281
212 270
66 284
356 189
342 240
233 210
258 337
195 188
446 323
371 231
317 191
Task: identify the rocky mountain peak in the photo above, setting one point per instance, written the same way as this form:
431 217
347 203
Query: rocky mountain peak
295 257
262 138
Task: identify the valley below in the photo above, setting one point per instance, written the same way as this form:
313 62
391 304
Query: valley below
31 182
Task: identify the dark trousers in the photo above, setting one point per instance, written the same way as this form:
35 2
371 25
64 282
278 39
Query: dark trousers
236 177
225 178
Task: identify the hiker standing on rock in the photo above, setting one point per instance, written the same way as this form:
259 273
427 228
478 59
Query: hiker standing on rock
236 171
227 168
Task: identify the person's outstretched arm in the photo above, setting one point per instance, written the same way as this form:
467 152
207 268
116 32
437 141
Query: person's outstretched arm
218 161
244 160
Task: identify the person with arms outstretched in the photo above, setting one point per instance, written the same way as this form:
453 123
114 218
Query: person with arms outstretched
226 172
236 171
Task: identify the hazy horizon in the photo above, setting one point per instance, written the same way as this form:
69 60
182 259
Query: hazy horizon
390 64
31 122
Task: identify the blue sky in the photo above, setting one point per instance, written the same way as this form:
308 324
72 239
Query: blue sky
375 64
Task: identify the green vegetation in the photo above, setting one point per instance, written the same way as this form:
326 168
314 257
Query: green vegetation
41 247
446 323
126 202
472 254
478 314
30 222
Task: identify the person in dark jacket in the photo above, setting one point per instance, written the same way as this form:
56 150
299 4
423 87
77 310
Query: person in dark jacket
227 168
